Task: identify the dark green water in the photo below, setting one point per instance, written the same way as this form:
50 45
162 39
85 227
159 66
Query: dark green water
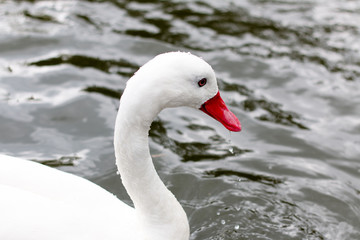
288 69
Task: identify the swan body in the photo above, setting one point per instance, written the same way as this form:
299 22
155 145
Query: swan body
38 202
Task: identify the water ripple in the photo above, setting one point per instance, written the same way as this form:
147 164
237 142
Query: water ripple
288 69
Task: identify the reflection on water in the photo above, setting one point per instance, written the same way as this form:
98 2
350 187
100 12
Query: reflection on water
288 69
123 67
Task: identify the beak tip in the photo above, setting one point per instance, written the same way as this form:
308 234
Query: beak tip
236 127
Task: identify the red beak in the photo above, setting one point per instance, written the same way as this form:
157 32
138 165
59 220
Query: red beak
216 108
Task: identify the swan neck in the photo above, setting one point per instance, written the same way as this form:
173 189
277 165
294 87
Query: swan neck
156 207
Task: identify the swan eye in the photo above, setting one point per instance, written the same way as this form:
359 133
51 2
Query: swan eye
202 82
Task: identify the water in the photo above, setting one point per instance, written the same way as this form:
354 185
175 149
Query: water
288 69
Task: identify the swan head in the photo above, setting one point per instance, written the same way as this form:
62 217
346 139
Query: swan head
177 79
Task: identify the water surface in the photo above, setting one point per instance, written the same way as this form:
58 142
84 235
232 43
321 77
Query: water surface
288 69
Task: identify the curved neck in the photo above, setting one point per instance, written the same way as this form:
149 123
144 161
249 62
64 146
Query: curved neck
158 212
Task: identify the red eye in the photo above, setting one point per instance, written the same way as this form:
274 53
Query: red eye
202 82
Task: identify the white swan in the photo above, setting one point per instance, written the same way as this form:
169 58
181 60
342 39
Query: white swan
38 202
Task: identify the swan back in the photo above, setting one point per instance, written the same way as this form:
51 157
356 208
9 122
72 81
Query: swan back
38 202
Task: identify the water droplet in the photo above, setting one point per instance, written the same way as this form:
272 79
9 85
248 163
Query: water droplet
117 173
218 213
231 149
223 222
236 227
